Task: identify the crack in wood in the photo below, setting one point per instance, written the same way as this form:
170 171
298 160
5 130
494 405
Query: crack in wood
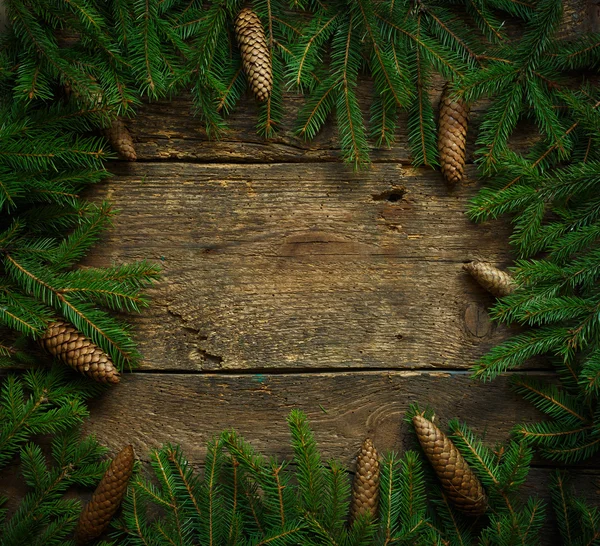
393 195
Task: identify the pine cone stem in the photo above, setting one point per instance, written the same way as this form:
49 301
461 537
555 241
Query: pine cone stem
96 516
256 57
365 488
458 480
62 340
452 136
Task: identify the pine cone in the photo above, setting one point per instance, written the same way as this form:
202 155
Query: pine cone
120 139
461 484
73 348
256 57
452 137
365 489
96 516
497 282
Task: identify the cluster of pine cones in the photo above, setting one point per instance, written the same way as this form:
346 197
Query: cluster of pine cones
460 483
462 486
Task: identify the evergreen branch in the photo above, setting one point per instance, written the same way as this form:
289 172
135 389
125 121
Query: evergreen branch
210 491
570 455
474 450
384 68
180 465
438 58
102 329
421 126
145 44
310 472
351 130
551 433
485 20
560 501
498 126
306 51
312 117
547 152
517 350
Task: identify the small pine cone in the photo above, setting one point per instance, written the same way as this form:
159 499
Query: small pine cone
73 348
365 488
96 516
452 137
120 139
461 484
256 57
495 281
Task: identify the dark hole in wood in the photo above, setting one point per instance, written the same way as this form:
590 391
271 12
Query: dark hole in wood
393 196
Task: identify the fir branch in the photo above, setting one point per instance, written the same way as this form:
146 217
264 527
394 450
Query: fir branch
310 472
40 403
350 126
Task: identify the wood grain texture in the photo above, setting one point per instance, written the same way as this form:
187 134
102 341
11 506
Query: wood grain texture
343 408
183 138
296 267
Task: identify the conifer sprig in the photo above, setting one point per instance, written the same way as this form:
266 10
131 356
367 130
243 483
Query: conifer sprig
46 228
578 522
39 402
413 510
551 192
401 44
45 516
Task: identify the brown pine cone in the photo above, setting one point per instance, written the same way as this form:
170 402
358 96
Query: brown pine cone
452 137
365 488
73 348
495 281
461 484
120 139
96 516
256 57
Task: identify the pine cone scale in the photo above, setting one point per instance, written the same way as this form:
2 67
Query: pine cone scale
458 480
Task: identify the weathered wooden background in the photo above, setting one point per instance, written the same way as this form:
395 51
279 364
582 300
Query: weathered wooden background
292 282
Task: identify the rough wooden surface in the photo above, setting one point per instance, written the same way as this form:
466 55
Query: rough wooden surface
290 281
343 408
286 266
184 138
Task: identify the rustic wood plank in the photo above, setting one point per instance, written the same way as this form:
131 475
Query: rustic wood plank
167 129
148 409
280 266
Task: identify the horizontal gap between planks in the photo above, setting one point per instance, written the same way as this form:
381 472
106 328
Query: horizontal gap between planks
329 370
298 161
